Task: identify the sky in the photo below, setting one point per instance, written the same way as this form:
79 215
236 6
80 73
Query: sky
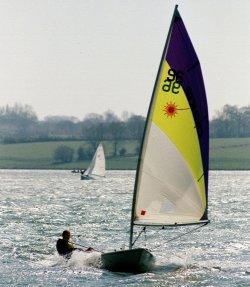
74 57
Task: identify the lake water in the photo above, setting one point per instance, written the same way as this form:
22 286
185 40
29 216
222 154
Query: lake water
36 206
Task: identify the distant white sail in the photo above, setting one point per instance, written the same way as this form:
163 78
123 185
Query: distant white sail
97 165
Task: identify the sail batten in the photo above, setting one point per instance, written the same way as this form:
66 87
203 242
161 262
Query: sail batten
172 173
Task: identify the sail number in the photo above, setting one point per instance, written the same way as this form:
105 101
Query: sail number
173 81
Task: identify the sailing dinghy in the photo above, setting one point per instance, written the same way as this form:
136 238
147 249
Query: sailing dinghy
97 165
172 173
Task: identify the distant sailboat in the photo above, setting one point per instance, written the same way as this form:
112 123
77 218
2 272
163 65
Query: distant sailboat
172 174
97 165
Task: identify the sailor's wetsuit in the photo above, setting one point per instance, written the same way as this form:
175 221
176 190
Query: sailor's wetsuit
64 248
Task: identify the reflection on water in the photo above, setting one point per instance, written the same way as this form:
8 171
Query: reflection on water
36 206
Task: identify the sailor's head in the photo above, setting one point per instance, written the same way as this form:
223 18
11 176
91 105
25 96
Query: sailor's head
66 234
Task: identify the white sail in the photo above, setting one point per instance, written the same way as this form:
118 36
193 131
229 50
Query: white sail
167 191
97 165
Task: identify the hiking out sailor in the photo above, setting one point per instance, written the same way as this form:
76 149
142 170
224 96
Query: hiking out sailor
65 247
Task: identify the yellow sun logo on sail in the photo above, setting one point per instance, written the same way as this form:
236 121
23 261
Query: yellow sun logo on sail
170 109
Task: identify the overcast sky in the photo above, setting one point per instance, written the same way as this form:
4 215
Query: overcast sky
73 57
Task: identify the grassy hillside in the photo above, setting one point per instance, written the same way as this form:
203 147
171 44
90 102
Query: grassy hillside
227 154
40 155
230 154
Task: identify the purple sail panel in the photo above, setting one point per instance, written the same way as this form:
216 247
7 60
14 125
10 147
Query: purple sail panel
182 59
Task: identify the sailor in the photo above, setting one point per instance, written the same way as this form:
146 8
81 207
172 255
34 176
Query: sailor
65 247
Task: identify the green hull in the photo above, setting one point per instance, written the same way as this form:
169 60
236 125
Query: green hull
133 261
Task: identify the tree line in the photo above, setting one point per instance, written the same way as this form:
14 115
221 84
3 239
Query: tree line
19 123
66 154
231 122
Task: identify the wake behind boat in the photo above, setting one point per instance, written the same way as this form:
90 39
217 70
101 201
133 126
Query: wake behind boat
97 165
171 182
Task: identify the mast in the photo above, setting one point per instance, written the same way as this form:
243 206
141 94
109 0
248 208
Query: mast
145 128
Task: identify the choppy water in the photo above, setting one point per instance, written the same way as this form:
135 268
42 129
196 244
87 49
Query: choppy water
36 206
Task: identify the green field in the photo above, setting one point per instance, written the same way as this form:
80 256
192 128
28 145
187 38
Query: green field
230 154
225 154
40 155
